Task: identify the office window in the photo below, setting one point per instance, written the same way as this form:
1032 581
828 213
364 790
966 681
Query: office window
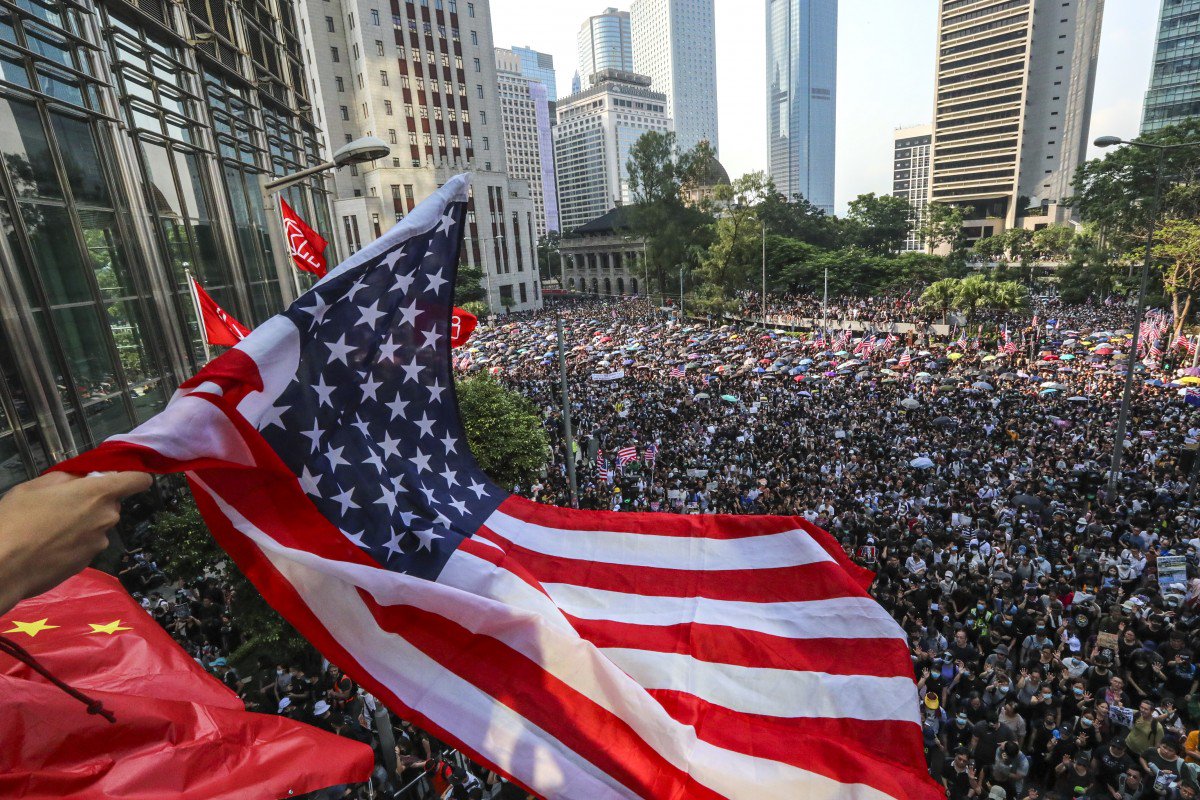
387 107
379 51
471 10
345 113
329 24
383 77
334 55
474 38
392 137
479 90
395 191
375 17
476 63
355 47
341 84
486 144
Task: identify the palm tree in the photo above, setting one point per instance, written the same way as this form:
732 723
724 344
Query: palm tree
941 295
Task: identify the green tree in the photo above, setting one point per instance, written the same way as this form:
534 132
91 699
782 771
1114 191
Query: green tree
878 224
658 175
941 295
1179 249
503 429
1054 243
798 219
943 225
549 265
736 249
468 284
1114 192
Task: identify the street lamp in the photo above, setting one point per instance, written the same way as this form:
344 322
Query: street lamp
360 151
487 274
1127 393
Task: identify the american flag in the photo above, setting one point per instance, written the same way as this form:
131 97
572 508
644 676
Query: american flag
961 344
583 654
1183 343
626 455
652 452
888 343
677 372
905 359
868 347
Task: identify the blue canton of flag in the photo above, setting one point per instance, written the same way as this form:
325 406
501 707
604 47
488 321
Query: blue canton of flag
369 426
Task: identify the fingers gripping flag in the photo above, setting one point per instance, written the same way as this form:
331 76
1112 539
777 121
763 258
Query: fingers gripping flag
588 655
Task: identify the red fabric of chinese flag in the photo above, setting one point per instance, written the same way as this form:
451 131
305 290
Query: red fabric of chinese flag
219 327
179 733
306 245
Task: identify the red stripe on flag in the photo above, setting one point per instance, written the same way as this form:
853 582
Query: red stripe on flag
721 644
849 751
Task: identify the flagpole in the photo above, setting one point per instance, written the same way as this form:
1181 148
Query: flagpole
764 274
1196 351
199 313
569 444
825 306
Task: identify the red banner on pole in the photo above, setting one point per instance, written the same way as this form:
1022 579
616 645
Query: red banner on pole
462 323
219 327
306 245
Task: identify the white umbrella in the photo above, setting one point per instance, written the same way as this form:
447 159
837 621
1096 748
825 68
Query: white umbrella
910 403
921 462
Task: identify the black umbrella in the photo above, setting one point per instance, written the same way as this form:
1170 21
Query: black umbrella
945 422
1028 501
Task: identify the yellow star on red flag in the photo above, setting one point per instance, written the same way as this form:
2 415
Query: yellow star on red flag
110 628
30 628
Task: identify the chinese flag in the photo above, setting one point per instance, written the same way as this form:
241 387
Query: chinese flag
306 245
179 732
462 323
219 327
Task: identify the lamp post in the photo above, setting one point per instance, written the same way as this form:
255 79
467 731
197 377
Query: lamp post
360 151
1127 393
487 274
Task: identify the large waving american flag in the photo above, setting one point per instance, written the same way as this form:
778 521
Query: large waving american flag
585 655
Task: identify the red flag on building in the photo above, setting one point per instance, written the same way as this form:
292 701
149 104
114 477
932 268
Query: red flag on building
306 245
462 324
219 327
179 732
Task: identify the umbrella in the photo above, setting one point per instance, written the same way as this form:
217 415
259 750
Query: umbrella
854 362
1028 501
1190 380
728 398
924 375
989 358
910 403
1054 385
1068 356
954 356
1192 372
945 422
804 394
1078 399
1103 350
759 370
701 396
982 385
921 462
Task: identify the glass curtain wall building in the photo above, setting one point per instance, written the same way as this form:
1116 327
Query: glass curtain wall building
1174 94
605 42
802 98
128 158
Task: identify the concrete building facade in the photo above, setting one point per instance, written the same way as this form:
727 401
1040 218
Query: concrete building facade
801 39
528 142
1013 102
596 129
1174 94
603 257
674 43
605 42
421 75
910 177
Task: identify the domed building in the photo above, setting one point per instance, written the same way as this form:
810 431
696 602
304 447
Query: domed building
712 175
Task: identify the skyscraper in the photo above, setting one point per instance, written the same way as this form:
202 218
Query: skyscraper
424 80
802 97
605 43
528 146
1013 103
596 129
132 142
1174 94
538 67
910 176
674 42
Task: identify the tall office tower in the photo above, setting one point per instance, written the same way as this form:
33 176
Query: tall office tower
910 176
1013 103
802 97
1174 94
528 145
596 129
132 140
605 43
421 75
538 67
674 42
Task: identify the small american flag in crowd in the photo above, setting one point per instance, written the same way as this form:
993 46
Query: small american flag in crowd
905 359
626 455
583 654
888 343
677 372
652 451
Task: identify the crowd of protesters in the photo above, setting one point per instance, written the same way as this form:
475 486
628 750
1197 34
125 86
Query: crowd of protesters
1052 622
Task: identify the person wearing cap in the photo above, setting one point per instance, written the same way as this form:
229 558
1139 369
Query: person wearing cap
1110 764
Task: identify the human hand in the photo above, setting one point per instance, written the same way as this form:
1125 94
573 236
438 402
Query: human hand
51 527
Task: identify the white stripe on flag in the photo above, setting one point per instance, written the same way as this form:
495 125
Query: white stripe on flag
841 617
774 550
771 692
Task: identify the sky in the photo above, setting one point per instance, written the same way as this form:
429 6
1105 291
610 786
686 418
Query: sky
885 74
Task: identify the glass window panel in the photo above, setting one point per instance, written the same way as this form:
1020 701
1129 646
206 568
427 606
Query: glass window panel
137 85
165 197
12 466
49 12
26 152
190 178
81 161
145 119
49 45
12 68
7 32
55 253
146 388
107 255
93 374
60 85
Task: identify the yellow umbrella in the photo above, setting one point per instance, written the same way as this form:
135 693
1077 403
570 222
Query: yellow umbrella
1189 381
954 356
